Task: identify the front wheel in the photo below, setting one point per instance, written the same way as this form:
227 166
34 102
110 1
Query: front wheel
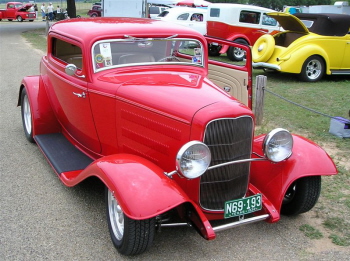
313 69
19 18
129 236
26 116
301 196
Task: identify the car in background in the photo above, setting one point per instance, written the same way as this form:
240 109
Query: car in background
137 104
155 10
311 45
243 24
95 11
194 18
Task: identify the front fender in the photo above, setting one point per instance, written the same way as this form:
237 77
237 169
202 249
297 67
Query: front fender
273 179
141 188
293 61
44 120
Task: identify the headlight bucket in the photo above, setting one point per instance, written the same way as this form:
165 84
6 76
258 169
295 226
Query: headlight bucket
193 159
278 145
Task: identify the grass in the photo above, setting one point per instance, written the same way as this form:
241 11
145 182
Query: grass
329 96
311 232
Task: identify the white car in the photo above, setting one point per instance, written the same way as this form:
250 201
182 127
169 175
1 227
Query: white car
187 16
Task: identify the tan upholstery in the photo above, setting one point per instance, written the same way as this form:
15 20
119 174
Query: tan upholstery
136 58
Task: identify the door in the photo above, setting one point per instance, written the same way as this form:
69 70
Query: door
232 77
69 95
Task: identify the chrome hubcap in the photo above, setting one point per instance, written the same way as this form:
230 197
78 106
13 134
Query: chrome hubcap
27 115
116 216
313 69
239 53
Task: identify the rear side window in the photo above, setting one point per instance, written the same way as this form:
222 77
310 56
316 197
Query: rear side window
183 17
67 52
249 17
215 12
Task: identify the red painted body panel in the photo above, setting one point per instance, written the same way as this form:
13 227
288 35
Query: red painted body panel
273 179
231 32
44 120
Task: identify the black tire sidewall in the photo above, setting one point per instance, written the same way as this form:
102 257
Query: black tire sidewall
306 195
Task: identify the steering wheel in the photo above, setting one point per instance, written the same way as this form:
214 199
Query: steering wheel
169 58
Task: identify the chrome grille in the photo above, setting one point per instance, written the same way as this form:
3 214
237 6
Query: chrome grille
228 140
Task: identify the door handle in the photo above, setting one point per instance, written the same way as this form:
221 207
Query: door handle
80 95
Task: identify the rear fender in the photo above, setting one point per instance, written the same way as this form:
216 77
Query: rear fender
44 120
232 38
141 188
273 179
296 60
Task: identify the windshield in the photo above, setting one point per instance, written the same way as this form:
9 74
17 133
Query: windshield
109 54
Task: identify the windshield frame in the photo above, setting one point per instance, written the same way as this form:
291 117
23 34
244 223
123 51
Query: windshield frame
198 52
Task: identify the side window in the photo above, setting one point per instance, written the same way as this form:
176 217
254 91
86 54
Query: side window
215 12
183 17
267 20
197 17
10 6
67 52
249 17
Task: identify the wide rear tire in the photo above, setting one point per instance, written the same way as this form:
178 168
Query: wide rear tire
129 236
301 196
313 69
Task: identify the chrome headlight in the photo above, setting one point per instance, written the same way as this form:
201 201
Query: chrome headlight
193 159
278 145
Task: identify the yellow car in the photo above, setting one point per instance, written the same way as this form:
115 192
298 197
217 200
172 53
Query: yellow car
311 45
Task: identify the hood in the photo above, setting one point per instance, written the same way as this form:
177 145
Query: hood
289 22
170 93
25 7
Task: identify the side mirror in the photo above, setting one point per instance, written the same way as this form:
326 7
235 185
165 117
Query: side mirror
71 69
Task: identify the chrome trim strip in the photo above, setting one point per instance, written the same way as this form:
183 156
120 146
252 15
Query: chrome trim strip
266 65
235 162
241 222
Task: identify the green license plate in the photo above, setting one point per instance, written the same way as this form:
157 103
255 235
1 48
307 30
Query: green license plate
243 206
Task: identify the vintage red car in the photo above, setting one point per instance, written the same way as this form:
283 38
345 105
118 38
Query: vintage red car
135 102
17 10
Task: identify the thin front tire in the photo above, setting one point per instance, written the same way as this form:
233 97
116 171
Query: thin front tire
26 113
129 236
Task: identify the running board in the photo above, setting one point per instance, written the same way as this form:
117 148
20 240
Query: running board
340 72
61 154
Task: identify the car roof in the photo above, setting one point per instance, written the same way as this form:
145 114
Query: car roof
240 6
327 24
92 29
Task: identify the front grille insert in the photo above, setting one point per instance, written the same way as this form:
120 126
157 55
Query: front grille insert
228 140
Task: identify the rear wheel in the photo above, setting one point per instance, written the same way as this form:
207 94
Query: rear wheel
313 69
26 116
129 236
236 53
301 196
214 50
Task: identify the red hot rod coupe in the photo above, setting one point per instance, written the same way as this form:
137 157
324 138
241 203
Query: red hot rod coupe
136 103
